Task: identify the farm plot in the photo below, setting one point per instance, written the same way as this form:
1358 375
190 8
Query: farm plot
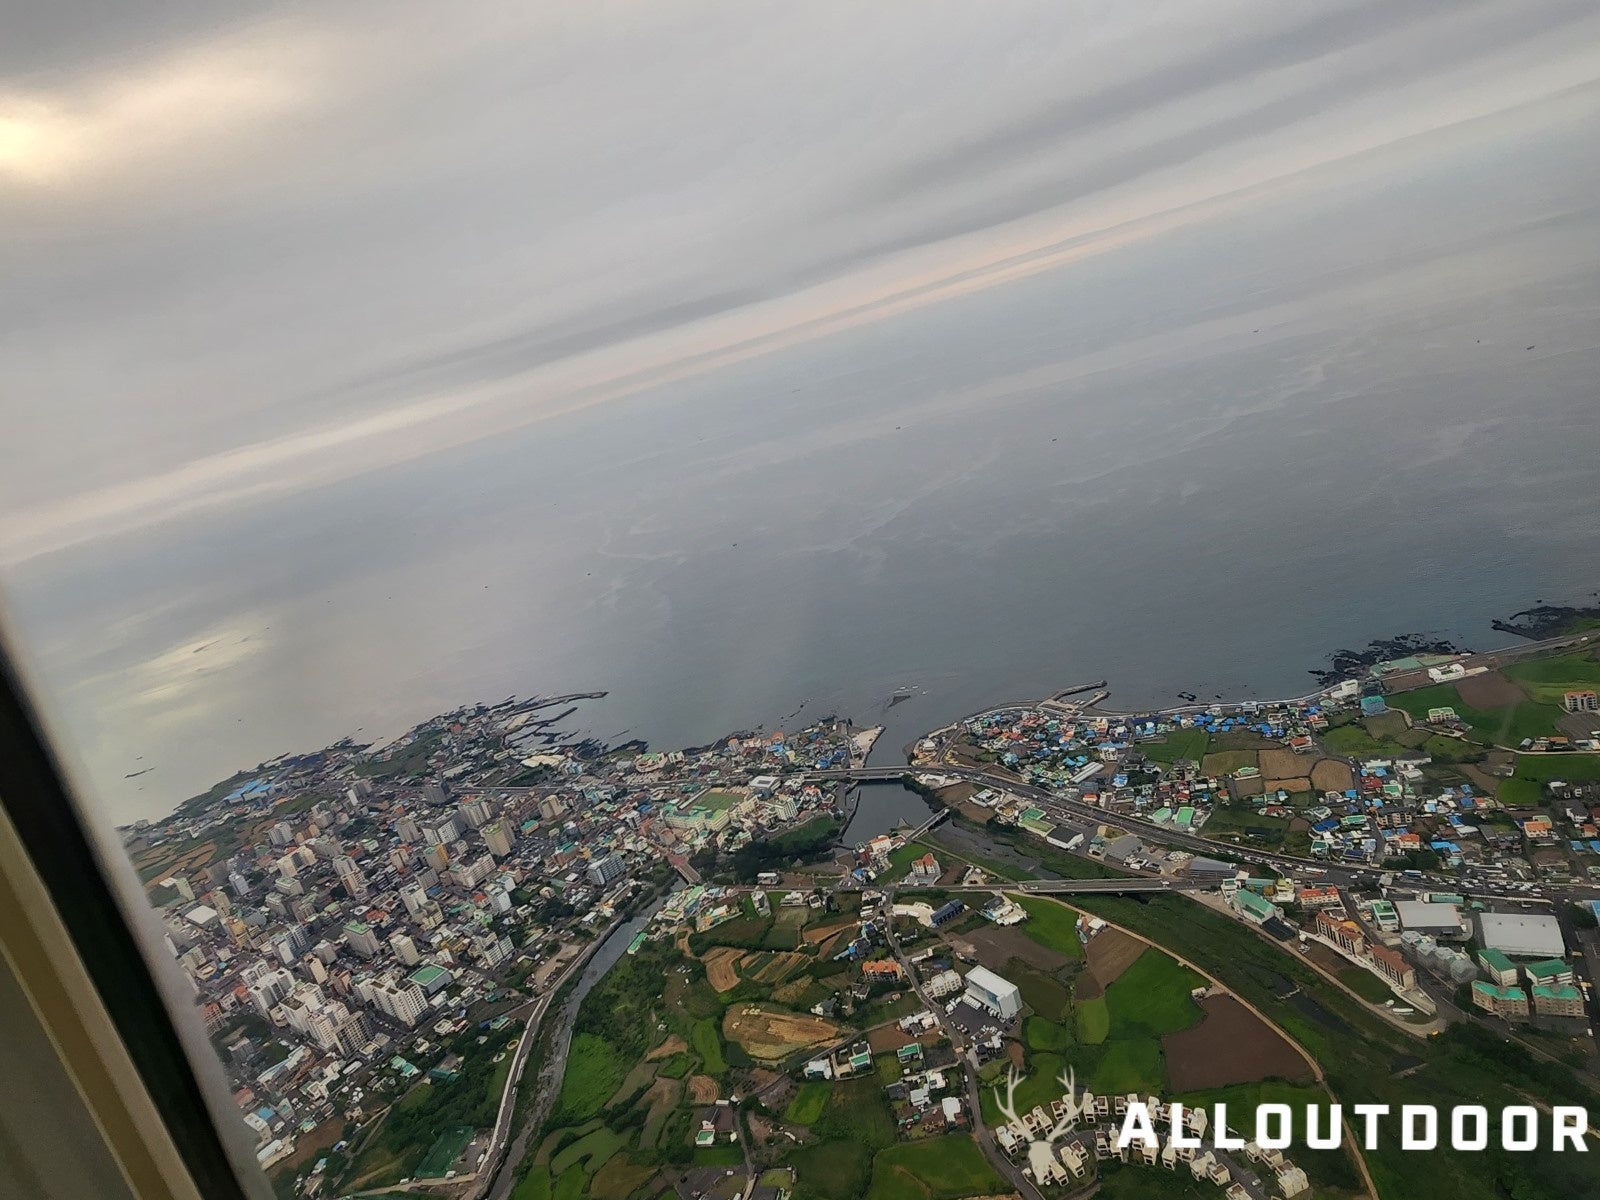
1051 924
722 970
1283 764
779 967
993 946
1226 762
1111 952
1489 690
818 934
1229 1045
773 1034
1331 775
1153 993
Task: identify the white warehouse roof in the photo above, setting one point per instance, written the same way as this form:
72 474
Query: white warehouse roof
1420 914
1525 935
990 982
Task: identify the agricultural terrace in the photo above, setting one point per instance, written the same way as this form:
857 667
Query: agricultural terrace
646 1057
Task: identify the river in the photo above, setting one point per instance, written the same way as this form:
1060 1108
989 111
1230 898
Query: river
607 956
882 808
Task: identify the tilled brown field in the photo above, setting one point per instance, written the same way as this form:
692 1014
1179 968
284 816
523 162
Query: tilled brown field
1230 1045
1330 775
1489 690
994 946
1111 952
1283 764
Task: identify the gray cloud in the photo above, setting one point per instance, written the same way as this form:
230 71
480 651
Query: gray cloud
307 306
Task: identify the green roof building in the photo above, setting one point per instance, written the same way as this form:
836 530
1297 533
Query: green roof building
431 979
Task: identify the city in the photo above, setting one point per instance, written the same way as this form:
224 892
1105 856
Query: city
379 939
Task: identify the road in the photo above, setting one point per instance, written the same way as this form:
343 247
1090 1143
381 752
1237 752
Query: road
500 1178
1062 809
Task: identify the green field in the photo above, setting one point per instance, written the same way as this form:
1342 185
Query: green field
808 1102
1570 768
900 861
1231 820
595 1069
1052 924
1180 743
592 1151
1519 793
1039 1085
1547 679
708 1045
1492 726
569 1185
1045 994
938 1168
1353 741
1467 1064
447 1147
855 1123
535 1185
1365 984
1040 1034
1153 995
1092 1020
1131 1065
1226 762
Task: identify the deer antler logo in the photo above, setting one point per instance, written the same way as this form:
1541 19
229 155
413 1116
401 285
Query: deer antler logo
1041 1140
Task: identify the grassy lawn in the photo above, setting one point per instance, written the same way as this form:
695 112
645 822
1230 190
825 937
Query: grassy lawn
1092 1020
900 861
724 1154
1153 995
1180 743
933 1169
1365 984
595 1070
708 1045
808 1102
1052 924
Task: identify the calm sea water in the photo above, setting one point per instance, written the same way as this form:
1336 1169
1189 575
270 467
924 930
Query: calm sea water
1192 465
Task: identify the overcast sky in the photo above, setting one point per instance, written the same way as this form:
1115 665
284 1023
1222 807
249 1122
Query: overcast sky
266 267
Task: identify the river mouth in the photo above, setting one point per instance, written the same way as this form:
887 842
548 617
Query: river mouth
881 808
